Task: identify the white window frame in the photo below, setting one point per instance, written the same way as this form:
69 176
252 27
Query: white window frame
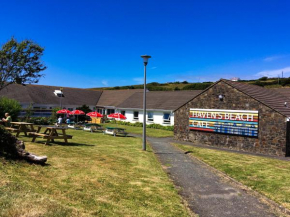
166 121
150 119
135 118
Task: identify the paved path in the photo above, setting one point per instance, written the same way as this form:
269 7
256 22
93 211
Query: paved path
206 193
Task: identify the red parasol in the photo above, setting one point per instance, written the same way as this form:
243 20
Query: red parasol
117 115
63 111
95 114
77 112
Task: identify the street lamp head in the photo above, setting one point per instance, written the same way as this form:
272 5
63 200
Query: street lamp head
145 59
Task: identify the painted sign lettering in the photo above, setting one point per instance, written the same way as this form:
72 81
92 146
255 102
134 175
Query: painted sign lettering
238 122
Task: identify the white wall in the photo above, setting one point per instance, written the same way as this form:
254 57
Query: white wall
157 116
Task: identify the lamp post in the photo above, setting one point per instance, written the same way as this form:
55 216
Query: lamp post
145 60
61 94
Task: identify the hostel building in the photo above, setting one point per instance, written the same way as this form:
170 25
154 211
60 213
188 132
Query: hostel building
159 106
237 116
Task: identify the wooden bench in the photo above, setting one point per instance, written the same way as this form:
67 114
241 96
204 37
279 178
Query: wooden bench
93 127
115 131
51 135
10 129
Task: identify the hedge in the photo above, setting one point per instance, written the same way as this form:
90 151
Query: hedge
139 124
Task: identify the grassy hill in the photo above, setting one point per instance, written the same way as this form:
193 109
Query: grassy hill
170 86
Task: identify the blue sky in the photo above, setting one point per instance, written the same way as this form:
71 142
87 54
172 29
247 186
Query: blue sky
95 43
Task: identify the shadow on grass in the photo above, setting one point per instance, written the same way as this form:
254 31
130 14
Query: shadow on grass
63 143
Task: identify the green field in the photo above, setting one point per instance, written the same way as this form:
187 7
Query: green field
94 175
268 176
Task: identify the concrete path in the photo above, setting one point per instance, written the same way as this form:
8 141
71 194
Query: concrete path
206 193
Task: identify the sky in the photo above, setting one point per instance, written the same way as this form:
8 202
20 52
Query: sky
93 43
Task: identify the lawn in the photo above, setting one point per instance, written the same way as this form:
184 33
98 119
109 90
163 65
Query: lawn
270 177
139 130
94 175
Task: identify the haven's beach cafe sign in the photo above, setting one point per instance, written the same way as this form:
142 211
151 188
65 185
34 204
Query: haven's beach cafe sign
238 122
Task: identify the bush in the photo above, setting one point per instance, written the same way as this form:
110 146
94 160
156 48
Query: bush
285 81
86 109
10 106
197 86
263 78
38 120
53 113
259 83
139 124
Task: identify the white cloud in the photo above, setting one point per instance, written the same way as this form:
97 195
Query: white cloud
138 80
105 83
270 59
154 67
275 72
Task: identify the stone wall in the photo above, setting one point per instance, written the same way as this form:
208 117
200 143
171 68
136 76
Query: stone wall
272 125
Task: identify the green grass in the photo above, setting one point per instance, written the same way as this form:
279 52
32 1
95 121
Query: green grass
139 130
270 177
94 175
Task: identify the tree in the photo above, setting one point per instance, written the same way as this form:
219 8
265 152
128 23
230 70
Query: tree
86 109
10 106
20 62
53 113
263 78
29 112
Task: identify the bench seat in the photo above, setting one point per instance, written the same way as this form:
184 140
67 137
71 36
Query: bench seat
11 129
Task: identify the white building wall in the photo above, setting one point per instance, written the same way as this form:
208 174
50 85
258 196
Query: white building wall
157 116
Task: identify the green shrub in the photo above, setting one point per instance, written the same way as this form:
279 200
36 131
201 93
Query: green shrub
39 120
259 83
197 86
53 113
285 81
263 78
10 106
139 124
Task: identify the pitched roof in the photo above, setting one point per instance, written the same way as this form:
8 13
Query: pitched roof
163 100
115 97
269 97
285 91
41 94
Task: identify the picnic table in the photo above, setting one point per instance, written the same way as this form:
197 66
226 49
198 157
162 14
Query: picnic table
115 130
51 133
19 127
93 127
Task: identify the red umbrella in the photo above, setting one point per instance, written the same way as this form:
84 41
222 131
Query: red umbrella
117 115
95 114
77 112
63 111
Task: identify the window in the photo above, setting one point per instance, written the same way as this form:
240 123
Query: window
136 115
150 116
166 118
123 112
110 111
